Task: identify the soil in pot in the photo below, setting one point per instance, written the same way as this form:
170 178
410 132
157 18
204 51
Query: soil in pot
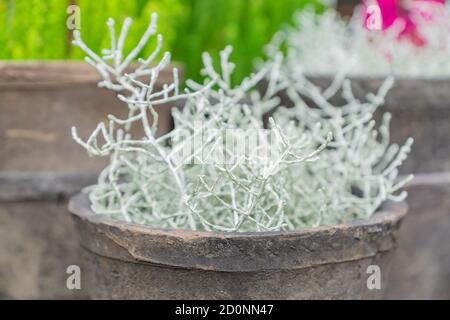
125 261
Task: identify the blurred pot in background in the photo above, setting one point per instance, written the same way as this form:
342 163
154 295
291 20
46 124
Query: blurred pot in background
38 242
421 268
40 102
41 165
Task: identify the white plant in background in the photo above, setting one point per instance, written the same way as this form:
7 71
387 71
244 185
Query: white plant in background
326 44
220 169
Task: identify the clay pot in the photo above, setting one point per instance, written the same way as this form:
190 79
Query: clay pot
126 261
40 102
37 238
421 266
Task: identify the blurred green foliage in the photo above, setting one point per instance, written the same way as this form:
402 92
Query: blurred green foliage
36 29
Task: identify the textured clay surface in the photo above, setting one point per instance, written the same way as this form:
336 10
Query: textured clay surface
37 237
421 267
124 261
40 102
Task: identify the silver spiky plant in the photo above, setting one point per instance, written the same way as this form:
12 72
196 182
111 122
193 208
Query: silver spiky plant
326 44
359 169
220 169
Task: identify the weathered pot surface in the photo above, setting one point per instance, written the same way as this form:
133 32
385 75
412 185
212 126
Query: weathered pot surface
421 266
40 103
37 237
126 261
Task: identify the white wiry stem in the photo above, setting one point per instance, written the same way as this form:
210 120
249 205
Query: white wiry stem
149 182
221 168
360 169
116 69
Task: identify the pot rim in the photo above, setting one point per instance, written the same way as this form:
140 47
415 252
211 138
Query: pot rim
236 252
37 74
79 206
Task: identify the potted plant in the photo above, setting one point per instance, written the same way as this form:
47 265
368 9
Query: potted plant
419 104
222 207
36 102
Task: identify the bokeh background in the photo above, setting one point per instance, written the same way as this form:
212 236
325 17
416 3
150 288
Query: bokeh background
36 29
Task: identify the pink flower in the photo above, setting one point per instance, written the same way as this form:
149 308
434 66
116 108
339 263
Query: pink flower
382 14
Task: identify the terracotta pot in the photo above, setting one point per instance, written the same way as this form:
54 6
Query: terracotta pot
40 102
421 267
126 261
37 238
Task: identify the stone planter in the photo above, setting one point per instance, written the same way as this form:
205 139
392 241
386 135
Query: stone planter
40 102
125 261
37 238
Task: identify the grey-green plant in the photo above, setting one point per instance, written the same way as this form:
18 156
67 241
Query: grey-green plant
327 44
358 171
222 168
